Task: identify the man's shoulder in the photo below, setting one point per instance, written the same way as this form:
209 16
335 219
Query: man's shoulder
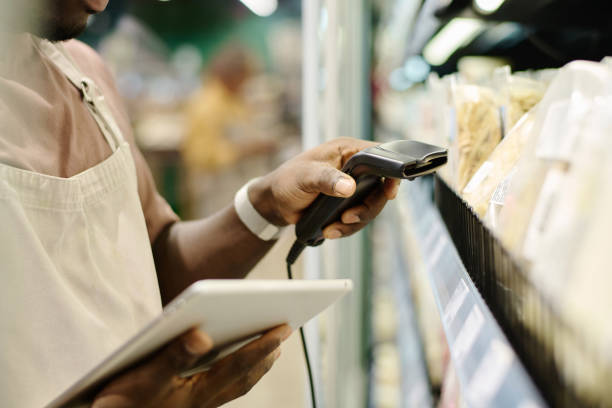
89 61
80 49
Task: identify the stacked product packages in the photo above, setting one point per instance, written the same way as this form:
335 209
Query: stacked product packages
474 118
539 178
555 217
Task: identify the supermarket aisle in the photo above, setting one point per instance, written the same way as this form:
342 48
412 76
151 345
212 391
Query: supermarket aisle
284 385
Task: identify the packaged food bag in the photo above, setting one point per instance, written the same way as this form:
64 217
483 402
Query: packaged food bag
521 95
570 264
478 129
558 125
494 175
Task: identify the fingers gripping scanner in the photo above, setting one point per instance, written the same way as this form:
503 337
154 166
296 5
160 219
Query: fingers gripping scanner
401 159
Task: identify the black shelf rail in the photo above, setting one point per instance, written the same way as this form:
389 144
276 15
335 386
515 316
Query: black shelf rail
527 319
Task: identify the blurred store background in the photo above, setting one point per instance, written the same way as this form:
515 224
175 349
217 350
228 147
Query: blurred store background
213 89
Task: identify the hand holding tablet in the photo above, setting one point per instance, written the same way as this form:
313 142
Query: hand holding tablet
229 312
154 383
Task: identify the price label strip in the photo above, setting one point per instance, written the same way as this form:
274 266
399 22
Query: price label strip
457 299
490 374
467 335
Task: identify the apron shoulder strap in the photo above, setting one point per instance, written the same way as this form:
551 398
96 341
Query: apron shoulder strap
92 96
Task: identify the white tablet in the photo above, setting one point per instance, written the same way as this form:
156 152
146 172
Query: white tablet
229 311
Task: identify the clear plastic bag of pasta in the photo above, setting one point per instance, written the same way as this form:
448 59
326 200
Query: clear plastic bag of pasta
571 264
559 124
478 129
519 94
493 176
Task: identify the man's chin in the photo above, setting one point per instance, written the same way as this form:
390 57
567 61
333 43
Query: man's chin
95 6
61 31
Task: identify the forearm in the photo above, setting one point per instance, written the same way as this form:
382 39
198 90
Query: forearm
218 247
221 246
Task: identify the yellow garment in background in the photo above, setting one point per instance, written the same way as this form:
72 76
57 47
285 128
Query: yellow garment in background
210 115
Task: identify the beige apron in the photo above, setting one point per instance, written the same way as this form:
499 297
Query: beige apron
78 277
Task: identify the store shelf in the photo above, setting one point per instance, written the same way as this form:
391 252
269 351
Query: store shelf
552 351
414 389
489 370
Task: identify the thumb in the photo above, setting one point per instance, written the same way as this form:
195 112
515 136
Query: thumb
183 353
330 181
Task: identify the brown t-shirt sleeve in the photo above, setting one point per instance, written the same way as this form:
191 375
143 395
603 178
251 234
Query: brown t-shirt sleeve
157 212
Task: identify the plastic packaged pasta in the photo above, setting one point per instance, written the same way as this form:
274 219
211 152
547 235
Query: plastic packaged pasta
558 125
571 265
478 129
521 94
498 167
556 216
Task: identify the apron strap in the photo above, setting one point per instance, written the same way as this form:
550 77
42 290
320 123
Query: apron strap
92 96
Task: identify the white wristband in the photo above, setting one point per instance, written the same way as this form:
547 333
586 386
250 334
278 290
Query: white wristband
249 216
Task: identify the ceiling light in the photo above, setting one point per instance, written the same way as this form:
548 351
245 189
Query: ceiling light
488 6
262 8
457 33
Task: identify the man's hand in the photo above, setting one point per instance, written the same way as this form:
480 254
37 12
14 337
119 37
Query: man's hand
222 247
156 383
284 194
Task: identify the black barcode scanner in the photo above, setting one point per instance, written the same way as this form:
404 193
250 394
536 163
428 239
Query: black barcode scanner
401 159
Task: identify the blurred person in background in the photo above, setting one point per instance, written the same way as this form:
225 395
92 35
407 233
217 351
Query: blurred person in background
90 251
220 132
